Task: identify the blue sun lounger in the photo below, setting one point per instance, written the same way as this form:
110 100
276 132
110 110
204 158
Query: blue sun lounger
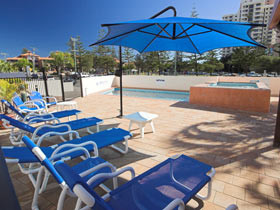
15 137
50 116
27 161
29 106
168 185
35 95
102 139
96 165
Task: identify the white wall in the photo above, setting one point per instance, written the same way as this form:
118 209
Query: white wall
180 83
96 84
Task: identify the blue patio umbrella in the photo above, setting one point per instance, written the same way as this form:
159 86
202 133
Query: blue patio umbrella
183 34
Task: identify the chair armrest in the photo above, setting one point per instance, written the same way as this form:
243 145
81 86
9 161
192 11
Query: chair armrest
98 167
34 135
175 203
56 153
40 117
41 101
28 104
37 115
63 155
112 175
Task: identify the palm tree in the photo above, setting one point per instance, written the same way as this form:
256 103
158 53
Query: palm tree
23 63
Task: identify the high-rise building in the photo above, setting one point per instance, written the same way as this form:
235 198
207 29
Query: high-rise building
255 11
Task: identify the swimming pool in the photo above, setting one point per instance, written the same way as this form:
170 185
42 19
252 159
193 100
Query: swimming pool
158 94
234 85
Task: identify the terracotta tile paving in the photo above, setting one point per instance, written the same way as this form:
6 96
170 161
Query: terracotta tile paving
237 144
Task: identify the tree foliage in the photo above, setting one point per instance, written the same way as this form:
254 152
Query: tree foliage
22 63
7 66
62 60
212 63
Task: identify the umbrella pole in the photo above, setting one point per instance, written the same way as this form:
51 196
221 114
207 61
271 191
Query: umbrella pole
121 96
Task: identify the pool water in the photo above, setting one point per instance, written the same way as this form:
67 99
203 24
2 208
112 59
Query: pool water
234 85
158 94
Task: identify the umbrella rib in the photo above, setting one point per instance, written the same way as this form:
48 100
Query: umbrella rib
163 29
190 40
146 32
99 42
257 44
204 32
153 39
184 30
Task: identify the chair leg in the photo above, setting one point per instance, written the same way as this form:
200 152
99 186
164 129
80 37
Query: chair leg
118 149
36 191
130 125
45 182
78 204
208 192
153 127
62 198
90 131
142 130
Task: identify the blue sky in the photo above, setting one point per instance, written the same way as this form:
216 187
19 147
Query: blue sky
48 24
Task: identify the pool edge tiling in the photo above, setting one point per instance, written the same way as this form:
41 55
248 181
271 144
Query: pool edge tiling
245 99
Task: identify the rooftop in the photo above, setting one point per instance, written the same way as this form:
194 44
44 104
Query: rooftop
237 144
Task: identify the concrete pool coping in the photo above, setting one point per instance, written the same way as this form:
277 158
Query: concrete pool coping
260 85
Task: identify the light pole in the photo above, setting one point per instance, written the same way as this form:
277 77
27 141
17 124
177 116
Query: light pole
74 40
33 58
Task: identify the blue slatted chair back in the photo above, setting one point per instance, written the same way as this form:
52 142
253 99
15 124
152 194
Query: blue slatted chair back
11 107
35 95
17 100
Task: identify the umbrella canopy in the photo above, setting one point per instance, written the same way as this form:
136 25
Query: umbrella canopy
191 35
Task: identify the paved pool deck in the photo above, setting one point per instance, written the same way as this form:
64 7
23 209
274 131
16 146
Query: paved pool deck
238 144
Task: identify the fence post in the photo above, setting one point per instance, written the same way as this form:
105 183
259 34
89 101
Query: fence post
62 87
45 83
276 142
81 85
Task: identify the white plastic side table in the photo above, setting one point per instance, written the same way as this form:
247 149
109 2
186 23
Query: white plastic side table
141 119
66 104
